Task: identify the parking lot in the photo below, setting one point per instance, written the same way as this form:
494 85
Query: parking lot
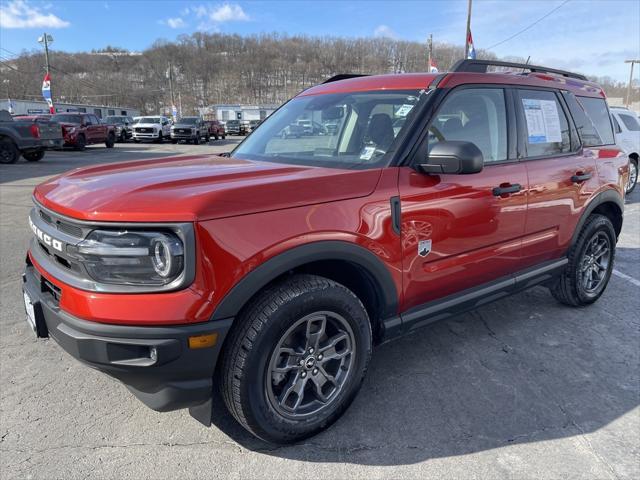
521 388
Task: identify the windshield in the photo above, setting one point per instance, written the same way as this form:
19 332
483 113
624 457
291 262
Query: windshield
233 122
343 130
148 120
67 119
117 120
189 120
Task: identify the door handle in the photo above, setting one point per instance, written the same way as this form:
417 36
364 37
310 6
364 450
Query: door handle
581 177
506 188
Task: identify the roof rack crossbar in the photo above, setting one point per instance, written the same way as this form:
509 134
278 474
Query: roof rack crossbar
344 76
480 66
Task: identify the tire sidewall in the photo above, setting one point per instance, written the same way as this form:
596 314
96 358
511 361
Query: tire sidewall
14 154
599 224
266 422
632 164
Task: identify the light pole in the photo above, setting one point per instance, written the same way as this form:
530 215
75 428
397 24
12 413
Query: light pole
45 40
632 62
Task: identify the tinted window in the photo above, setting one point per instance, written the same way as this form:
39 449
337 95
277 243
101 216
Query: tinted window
475 115
66 118
586 129
597 110
546 126
630 122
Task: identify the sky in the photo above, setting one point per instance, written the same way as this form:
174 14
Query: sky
589 36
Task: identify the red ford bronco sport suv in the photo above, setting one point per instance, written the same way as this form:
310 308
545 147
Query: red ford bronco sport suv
271 273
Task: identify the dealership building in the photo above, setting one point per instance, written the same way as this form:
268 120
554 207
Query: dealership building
28 107
226 112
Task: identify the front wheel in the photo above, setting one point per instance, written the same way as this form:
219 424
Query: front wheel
633 175
111 140
296 358
34 156
196 141
590 264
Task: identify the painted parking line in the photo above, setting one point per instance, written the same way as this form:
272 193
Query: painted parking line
627 278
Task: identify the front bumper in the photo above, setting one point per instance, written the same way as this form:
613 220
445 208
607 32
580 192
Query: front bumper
29 145
145 136
155 363
183 136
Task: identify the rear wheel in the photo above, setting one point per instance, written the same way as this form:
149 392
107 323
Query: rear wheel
34 156
296 358
633 175
8 151
590 264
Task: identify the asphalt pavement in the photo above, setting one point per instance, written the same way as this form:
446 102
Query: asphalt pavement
521 388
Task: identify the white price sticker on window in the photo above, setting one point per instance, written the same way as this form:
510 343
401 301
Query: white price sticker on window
543 120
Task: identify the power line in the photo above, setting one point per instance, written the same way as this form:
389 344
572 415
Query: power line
530 26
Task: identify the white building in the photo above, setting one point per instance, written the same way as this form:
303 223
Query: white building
226 112
26 107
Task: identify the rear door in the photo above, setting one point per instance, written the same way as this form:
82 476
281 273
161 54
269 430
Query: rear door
461 231
562 175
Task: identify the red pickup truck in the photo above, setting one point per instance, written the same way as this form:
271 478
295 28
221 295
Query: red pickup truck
82 129
272 272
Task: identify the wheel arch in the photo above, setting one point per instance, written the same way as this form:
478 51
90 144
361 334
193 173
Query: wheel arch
608 203
349 264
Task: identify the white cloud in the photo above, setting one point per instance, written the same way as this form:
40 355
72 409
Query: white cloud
20 14
384 31
176 22
228 12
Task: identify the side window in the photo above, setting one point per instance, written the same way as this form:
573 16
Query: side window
616 125
586 129
476 115
87 120
94 120
598 112
545 124
630 122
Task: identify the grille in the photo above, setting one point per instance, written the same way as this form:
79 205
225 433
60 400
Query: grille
65 227
144 130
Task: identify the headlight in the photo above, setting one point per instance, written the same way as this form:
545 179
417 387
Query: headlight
131 257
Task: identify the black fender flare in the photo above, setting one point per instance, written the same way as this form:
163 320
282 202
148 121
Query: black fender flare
255 280
608 196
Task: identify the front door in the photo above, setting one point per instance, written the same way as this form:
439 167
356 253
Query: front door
460 231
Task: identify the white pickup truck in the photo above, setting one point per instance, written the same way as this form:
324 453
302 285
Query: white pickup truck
627 128
155 128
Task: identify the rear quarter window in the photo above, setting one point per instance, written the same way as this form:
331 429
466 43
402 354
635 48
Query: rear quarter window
598 112
586 129
630 122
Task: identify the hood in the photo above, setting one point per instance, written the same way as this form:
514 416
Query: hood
196 188
146 125
183 125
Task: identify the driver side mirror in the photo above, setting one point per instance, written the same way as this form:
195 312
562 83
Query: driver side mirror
454 157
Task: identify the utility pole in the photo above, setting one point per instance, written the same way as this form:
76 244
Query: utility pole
466 36
430 51
45 40
173 100
632 62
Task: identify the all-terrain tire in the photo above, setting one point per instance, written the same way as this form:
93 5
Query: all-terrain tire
34 156
243 372
9 153
569 287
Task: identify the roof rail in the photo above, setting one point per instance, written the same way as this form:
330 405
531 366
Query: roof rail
480 66
344 76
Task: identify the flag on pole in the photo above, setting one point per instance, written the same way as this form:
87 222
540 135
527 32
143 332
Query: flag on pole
433 66
10 107
46 92
472 51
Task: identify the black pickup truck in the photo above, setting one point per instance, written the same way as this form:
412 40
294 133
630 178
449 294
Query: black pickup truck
27 136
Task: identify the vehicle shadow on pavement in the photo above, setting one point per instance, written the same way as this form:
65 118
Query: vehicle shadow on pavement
524 369
58 162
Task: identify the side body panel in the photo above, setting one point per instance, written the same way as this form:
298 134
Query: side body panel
475 235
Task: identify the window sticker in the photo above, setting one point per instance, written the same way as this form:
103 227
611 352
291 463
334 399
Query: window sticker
403 110
543 120
367 153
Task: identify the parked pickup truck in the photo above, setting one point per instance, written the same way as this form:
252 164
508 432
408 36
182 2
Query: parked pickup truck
82 129
26 136
216 129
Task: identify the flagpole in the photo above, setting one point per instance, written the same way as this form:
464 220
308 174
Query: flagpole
430 50
466 37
